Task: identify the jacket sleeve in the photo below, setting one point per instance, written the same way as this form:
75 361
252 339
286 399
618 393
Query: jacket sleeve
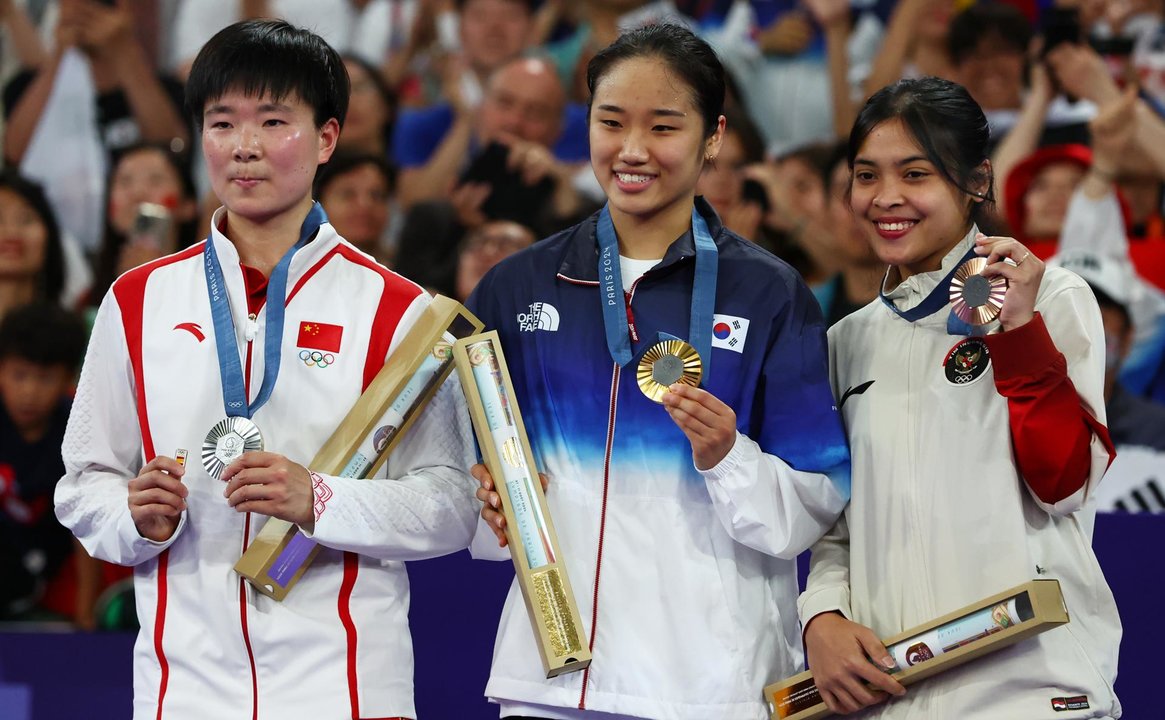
424 506
102 450
827 587
779 490
1051 371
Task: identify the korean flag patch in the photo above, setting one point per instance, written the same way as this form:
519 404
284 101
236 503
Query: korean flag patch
729 332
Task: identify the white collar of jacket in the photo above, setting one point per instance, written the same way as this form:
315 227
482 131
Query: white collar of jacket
916 288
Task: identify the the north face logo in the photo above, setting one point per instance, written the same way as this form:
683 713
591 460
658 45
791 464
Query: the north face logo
542 316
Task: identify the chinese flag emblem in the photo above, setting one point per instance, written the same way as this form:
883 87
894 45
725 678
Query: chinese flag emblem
320 336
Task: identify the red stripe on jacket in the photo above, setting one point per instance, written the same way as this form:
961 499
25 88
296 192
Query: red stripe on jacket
130 292
1051 431
395 299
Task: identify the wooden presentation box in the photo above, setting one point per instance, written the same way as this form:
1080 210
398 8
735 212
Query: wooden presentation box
797 698
280 553
533 543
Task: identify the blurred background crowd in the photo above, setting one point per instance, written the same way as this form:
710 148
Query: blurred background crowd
466 141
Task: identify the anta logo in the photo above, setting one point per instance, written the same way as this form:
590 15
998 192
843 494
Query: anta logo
542 316
192 328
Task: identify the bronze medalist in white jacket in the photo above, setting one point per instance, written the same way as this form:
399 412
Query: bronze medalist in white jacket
940 515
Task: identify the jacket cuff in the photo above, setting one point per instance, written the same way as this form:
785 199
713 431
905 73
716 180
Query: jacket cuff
129 531
739 453
827 599
1023 351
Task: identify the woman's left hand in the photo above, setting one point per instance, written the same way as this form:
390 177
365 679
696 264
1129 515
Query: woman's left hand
709 424
1023 278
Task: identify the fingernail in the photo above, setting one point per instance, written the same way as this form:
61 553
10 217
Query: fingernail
889 662
498 522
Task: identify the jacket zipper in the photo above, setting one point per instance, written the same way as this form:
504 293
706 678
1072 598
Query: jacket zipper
250 331
582 699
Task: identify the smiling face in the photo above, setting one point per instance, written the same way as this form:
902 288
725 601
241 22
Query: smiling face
262 154
23 237
911 213
648 141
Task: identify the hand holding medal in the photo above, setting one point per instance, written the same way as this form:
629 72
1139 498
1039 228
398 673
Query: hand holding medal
270 484
708 423
1008 259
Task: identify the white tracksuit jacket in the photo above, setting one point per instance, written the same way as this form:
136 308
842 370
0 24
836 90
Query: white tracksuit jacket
940 517
210 647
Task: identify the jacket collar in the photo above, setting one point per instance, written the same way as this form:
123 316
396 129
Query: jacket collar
581 260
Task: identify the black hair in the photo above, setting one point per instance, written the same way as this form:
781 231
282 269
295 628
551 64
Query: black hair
51 278
109 254
685 54
343 163
982 21
1104 300
272 58
947 124
45 334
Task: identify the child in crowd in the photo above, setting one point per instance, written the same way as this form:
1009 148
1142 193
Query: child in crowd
40 350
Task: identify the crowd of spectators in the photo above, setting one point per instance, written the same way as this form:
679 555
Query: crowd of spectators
466 141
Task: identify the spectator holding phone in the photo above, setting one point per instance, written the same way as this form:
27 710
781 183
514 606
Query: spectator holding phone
134 103
523 113
152 211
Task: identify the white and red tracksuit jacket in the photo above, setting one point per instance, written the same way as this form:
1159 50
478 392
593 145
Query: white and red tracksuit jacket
967 481
210 647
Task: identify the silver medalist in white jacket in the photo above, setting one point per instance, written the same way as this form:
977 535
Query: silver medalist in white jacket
209 646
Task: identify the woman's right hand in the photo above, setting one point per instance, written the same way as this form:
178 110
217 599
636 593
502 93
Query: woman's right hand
491 502
845 657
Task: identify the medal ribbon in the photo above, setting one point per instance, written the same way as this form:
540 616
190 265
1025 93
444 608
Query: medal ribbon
614 304
939 298
234 392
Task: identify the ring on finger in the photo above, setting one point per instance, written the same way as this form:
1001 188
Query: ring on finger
1025 257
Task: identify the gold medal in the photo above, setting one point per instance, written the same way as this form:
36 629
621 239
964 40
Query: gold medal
977 300
667 363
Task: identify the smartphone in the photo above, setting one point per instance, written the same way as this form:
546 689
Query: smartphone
510 198
1120 47
1060 25
151 227
489 165
754 192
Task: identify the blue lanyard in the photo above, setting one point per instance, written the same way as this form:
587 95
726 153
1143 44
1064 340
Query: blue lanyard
611 285
939 298
234 389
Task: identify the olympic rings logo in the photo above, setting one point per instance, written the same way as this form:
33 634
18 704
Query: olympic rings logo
315 358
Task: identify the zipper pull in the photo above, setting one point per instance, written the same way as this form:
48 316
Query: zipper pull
252 327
